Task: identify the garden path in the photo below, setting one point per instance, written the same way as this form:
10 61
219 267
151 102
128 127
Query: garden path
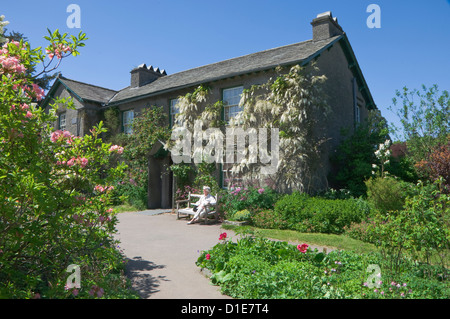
162 252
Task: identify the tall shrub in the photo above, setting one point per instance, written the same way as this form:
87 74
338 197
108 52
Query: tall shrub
54 187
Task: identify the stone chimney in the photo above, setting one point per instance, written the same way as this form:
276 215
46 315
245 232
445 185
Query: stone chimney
143 75
325 26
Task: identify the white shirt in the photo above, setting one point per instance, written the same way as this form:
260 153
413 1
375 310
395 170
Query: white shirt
206 200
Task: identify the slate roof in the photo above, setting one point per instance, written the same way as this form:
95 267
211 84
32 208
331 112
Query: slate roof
88 92
296 53
285 55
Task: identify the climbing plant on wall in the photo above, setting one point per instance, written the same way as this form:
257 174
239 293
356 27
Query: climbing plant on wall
292 103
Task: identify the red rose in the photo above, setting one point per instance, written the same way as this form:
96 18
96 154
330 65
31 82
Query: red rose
302 248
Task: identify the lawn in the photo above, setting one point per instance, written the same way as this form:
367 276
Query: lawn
331 241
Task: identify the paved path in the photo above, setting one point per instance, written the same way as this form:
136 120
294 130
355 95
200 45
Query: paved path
162 252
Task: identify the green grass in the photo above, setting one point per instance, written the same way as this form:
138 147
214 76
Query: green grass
125 208
326 240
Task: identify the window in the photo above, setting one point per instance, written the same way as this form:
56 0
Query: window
230 180
127 121
173 111
358 113
62 121
231 99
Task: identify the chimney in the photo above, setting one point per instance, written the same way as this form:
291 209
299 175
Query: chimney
143 75
325 26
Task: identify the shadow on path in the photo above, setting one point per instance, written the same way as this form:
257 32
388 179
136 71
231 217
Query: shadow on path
137 270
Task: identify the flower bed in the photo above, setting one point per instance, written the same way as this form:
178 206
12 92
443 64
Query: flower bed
256 268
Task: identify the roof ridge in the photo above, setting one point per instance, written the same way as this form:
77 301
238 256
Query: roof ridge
239 57
97 86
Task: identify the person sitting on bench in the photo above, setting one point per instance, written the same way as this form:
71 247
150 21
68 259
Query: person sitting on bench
202 205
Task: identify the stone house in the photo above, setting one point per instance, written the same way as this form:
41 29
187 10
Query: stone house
347 92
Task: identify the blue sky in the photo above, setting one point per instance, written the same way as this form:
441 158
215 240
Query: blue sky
410 49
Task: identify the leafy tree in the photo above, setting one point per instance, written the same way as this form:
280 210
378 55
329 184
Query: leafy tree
425 119
55 187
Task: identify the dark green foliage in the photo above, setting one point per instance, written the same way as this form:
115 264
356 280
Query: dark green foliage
256 268
355 155
388 193
315 214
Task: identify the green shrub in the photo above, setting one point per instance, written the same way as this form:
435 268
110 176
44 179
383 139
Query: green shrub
290 207
361 231
387 193
268 219
315 214
130 193
242 215
420 231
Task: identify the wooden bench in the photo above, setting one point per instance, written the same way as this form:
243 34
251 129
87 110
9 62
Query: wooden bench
188 210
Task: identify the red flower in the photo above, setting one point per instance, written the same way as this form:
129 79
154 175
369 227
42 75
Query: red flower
302 248
223 236
208 256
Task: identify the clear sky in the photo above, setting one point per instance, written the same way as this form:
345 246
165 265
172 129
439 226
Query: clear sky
411 48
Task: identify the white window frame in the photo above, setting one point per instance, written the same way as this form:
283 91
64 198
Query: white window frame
62 121
173 111
127 121
233 108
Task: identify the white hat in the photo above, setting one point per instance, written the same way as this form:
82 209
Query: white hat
207 188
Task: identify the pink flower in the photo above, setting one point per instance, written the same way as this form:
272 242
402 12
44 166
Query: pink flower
29 115
40 93
99 188
71 162
55 135
208 256
302 248
223 236
83 162
66 134
109 210
116 148
261 190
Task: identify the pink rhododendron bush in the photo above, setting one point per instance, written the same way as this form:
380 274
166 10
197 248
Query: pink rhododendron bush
55 189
